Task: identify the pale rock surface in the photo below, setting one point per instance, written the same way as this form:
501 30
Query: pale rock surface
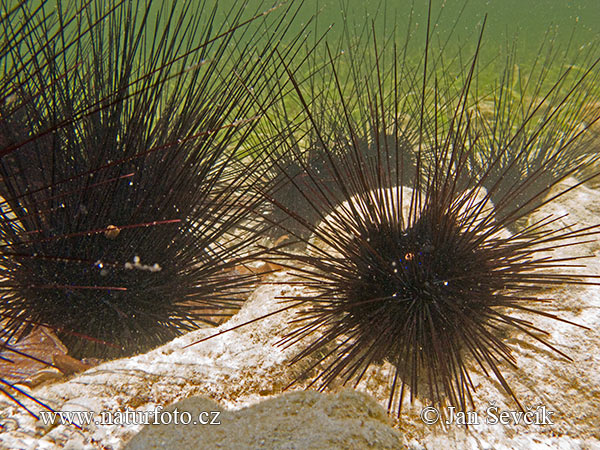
244 367
305 420
236 369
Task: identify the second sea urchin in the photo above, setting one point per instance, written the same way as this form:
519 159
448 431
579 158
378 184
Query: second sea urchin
421 271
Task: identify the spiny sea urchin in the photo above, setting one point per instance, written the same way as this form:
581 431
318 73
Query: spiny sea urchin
421 271
123 218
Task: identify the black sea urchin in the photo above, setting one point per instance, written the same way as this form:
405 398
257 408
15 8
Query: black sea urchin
421 271
123 220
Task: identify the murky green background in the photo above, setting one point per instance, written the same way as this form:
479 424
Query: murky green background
507 20
570 26
521 22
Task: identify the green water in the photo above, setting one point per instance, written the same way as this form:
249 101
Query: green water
526 21
522 21
526 29
526 24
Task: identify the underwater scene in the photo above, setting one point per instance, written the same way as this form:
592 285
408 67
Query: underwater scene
306 224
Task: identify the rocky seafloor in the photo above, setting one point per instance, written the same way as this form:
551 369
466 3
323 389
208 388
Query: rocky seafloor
241 375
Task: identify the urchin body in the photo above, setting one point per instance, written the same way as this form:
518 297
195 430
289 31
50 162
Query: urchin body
124 217
435 286
432 295
112 258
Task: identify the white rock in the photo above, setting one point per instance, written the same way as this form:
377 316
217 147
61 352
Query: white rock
297 420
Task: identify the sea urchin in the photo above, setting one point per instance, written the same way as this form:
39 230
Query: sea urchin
420 270
124 218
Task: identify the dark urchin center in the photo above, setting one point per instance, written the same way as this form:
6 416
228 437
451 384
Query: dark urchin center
417 287
105 289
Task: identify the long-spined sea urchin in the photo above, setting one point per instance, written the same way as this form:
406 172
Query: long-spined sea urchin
123 217
421 271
